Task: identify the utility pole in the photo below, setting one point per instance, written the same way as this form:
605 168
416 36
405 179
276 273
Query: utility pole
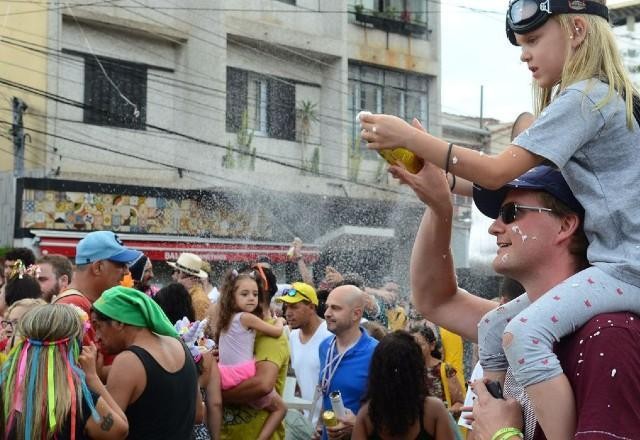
17 130
481 106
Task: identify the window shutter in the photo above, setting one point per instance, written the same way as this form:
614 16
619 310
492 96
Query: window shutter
103 103
236 98
281 110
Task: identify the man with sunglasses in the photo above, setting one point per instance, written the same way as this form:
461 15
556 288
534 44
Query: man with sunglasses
538 230
308 330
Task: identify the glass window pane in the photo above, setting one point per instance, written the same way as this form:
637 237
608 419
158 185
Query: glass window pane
418 9
393 102
417 83
370 97
394 79
370 74
415 107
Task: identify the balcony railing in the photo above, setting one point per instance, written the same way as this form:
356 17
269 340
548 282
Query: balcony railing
389 21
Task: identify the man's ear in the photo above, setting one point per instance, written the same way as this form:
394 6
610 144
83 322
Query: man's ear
96 267
568 226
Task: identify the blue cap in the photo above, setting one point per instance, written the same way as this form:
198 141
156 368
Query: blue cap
541 178
104 245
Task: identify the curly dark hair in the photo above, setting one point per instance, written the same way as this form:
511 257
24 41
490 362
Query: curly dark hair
21 288
427 333
175 301
25 254
227 302
396 387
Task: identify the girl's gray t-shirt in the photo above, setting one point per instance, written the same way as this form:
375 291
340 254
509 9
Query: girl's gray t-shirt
599 156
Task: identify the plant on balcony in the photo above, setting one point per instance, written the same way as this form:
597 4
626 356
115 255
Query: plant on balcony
245 155
307 112
355 159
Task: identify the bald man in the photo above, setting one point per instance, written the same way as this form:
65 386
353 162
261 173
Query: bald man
345 357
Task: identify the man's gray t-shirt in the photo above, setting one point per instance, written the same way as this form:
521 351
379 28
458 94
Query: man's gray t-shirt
599 156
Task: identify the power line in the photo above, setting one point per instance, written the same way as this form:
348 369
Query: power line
298 10
349 122
174 132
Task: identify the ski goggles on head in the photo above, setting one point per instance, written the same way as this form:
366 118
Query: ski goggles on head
528 15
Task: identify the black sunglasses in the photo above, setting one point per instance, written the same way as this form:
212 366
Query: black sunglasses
293 292
509 211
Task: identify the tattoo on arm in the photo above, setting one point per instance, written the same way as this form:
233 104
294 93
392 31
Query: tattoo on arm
107 422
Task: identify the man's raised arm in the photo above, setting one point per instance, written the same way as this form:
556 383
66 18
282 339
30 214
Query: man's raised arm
434 288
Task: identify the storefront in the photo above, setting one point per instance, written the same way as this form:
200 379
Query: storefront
222 226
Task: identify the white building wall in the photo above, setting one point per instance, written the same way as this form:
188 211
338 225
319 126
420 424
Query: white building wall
313 49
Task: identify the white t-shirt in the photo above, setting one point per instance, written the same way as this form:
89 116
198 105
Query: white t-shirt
305 359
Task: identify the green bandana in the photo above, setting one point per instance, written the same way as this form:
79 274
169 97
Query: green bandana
133 307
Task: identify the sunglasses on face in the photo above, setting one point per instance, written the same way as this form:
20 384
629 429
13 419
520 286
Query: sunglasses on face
293 292
509 211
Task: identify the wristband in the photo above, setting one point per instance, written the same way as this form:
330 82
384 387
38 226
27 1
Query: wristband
453 182
507 433
446 164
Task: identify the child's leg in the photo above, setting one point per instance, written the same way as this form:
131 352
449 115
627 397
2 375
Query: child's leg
490 329
529 338
277 412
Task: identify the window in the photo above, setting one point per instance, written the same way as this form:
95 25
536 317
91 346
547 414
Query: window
269 104
257 104
408 17
104 104
387 91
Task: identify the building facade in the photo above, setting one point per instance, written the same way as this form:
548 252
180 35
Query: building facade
137 110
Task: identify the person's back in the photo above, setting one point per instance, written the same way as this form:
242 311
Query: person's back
165 408
153 378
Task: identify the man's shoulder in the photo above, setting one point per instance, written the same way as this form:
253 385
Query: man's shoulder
276 350
367 342
625 321
601 360
74 297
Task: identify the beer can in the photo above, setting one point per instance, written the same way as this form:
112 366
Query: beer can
400 155
336 404
329 418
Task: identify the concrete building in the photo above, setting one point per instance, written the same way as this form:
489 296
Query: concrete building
623 17
471 132
146 116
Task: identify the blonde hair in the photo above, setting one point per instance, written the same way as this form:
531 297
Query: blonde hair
27 303
596 57
51 347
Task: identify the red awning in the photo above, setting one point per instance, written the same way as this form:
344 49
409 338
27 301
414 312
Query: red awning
162 248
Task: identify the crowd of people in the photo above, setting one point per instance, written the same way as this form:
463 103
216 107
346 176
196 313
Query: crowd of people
94 349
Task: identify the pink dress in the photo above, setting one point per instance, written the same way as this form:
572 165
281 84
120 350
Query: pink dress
236 354
237 363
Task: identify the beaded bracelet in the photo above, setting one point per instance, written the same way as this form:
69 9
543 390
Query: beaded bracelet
507 433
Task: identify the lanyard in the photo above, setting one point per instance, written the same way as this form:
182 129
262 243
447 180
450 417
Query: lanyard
332 361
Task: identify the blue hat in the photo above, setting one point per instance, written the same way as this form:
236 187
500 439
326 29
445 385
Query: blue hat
540 178
104 245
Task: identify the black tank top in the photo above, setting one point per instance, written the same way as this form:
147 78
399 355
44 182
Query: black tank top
422 435
166 407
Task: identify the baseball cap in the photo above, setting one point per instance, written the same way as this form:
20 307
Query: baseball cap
299 292
540 178
104 245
